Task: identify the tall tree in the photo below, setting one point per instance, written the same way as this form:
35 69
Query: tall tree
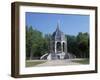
36 44
83 44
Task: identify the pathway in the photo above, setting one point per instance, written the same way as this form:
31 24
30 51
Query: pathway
58 63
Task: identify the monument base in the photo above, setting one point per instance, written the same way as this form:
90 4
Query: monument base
57 56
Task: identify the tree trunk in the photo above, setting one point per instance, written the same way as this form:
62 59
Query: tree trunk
31 55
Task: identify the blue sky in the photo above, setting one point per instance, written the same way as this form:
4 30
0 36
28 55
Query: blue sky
68 23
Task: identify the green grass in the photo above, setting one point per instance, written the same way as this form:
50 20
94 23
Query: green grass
33 63
84 61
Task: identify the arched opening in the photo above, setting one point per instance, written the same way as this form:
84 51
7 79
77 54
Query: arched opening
53 46
58 47
63 47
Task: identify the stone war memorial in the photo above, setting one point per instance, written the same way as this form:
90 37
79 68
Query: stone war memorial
58 46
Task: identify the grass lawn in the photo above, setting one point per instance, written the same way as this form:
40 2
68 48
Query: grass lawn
33 63
84 61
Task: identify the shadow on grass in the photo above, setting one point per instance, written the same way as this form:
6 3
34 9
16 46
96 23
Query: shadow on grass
33 63
83 61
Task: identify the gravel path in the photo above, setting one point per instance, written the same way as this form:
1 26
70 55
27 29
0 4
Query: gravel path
58 63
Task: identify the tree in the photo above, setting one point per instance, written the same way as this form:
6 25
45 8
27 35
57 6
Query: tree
29 41
36 44
72 45
78 45
83 44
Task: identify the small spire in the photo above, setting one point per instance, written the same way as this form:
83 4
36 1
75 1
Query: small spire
58 24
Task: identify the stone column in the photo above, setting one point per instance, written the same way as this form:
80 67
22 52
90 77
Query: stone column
55 46
65 47
61 46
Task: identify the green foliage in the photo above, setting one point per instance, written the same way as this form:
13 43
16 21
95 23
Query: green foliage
83 44
36 44
78 45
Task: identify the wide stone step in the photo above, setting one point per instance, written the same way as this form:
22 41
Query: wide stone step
54 56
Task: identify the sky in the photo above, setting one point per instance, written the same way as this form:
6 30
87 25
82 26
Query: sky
70 24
